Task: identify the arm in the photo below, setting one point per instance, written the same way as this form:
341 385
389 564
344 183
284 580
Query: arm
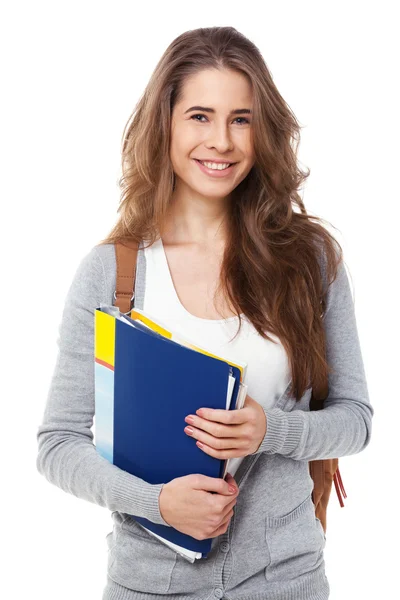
67 456
343 426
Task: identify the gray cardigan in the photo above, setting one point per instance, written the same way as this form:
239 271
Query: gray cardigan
274 546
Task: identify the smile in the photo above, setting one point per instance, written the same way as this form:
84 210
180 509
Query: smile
216 169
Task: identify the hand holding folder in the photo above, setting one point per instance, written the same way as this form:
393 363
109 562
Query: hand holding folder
185 504
145 385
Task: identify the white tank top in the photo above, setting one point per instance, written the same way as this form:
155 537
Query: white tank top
267 365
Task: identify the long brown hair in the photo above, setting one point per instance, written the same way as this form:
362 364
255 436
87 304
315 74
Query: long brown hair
271 269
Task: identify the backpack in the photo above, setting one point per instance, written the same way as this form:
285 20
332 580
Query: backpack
324 471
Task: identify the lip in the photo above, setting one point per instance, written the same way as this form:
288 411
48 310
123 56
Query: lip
215 172
215 160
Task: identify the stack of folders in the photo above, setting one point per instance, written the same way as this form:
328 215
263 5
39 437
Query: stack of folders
147 380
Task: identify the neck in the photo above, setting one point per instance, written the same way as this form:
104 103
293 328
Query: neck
195 220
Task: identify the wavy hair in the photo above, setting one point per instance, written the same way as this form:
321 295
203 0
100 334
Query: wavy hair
271 269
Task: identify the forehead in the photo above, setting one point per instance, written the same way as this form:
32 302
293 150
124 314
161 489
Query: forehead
221 89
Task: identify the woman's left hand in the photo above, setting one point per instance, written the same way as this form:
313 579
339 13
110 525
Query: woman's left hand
229 433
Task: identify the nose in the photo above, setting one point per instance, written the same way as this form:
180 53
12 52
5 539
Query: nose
219 138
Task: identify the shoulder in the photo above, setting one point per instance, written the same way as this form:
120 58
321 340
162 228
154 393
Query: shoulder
100 257
105 253
95 275
335 274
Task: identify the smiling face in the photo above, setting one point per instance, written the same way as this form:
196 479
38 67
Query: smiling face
212 122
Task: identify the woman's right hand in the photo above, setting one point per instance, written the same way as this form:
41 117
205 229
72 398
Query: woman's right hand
187 504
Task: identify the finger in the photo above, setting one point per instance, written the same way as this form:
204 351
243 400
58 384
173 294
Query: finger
218 430
229 417
230 505
228 512
223 527
221 454
217 441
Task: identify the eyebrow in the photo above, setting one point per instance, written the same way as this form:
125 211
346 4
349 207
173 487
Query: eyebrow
238 111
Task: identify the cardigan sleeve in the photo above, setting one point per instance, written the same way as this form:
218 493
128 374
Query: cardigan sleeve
66 455
343 426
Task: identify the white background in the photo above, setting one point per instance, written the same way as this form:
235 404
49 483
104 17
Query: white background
71 74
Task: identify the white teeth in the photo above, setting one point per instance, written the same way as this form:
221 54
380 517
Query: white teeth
215 166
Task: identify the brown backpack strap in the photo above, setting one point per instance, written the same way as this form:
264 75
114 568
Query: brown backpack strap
126 255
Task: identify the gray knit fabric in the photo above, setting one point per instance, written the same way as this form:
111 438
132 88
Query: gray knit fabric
274 546
140 281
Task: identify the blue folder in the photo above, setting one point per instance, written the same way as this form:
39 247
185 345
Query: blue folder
157 383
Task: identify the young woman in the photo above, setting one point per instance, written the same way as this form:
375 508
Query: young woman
210 191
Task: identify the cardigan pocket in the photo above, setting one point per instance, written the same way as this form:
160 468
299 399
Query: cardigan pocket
295 541
137 560
320 526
